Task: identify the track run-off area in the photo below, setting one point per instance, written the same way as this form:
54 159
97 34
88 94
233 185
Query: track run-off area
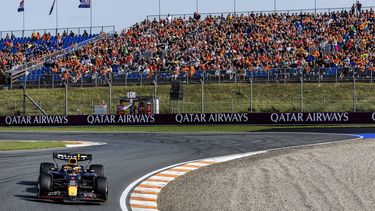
129 156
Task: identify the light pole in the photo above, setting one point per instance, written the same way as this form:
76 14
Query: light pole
90 16
57 17
159 10
234 7
196 6
315 7
274 6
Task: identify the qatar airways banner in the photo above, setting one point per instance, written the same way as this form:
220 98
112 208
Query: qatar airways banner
183 119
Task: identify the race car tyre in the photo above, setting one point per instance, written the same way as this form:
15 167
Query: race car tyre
101 187
99 169
44 183
45 167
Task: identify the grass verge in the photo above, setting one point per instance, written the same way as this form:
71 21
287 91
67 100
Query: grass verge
324 97
23 145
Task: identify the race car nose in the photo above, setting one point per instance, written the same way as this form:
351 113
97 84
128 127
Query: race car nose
72 190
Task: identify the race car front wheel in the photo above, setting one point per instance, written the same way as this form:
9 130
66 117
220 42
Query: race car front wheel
101 187
44 183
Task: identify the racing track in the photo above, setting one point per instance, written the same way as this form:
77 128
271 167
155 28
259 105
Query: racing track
127 157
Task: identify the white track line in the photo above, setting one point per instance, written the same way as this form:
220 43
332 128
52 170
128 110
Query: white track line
84 144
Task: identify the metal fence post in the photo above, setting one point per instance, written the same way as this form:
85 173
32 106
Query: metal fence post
371 76
219 76
319 76
155 87
11 81
292 103
38 81
354 93
232 106
24 100
251 95
336 75
302 104
126 79
202 95
66 97
110 97
284 76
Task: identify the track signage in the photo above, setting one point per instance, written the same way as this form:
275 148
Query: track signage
183 119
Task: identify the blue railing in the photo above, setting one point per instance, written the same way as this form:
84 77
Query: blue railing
54 31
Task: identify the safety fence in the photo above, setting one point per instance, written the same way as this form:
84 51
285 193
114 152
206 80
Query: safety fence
258 75
197 97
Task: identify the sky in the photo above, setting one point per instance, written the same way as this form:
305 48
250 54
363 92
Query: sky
124 13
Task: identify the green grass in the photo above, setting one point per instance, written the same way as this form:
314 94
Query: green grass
23 145
218 98
172 128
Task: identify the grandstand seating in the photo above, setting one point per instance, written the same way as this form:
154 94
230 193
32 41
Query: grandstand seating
265 46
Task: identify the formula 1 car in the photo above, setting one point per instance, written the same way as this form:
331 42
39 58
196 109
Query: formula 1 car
72 182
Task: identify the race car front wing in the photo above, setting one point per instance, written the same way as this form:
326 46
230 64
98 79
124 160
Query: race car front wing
63 196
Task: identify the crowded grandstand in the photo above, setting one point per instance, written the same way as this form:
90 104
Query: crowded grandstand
268 45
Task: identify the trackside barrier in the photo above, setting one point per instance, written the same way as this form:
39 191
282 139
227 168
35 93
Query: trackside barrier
198 119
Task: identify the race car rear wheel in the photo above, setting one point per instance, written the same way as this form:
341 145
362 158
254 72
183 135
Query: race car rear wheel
44 183
45 167
101 187
99 169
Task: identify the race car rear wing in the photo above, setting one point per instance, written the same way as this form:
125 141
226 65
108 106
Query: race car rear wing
66 156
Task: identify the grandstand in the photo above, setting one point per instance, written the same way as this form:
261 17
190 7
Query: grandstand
328 46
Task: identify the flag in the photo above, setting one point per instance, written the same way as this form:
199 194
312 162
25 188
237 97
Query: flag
53 5
21 8
84 4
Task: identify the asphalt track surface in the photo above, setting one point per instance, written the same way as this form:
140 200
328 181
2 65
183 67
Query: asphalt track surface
129 156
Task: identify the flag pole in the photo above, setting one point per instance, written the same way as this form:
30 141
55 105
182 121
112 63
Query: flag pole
159 10
57 17
23 23
90 16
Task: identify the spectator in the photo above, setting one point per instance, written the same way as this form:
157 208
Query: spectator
353 9
359 8
197 16
169 18
85 34
71 34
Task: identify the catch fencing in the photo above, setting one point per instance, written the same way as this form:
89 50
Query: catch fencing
286 92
